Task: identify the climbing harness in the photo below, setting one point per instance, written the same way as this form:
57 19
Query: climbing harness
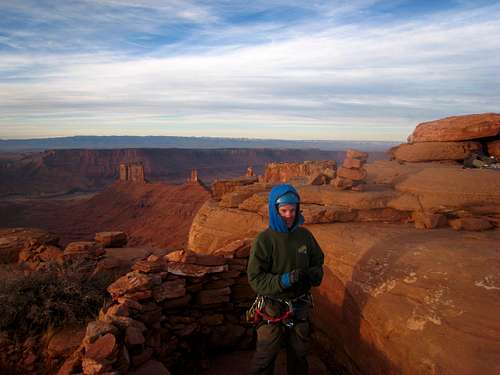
257 314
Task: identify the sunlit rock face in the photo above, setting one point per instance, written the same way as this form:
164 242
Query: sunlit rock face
457 128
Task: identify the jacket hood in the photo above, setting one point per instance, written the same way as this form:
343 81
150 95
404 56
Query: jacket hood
276 223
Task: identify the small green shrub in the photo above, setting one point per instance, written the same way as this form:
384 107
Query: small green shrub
55 296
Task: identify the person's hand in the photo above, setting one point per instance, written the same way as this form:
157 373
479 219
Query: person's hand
293 277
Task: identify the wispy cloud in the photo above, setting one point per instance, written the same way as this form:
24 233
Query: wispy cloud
327 70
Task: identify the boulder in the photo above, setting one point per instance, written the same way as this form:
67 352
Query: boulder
355 154
12 241
406 301
83 249
470 223
438 188
130 283
457 128
213 227
431 151
111 239
352 174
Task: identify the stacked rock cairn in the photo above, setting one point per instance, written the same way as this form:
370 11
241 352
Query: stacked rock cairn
351 175
168 313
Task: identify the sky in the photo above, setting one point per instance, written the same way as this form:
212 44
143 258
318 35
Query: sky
328 70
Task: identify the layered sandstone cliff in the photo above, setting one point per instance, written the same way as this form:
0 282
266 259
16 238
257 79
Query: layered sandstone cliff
60 171
411 271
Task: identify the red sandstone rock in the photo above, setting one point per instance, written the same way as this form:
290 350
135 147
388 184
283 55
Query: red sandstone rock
457 128
494 149
12 241
416 283
452 187
134 336
177 302
341 183
320 179
130 283
256 203
211 296
97 329
111 239
71 364
221 187
284 172
194 270
352 174
353 163
470 224
355 154
431 151
103 349
428 220
214 227
84 249
149 267
385 215
65 341
170 289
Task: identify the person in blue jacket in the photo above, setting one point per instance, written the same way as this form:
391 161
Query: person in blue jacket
285 262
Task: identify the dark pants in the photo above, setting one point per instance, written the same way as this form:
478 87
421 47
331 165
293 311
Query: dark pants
272 337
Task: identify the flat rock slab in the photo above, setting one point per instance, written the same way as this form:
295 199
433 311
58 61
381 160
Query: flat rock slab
453 187
403 300
457 128
432 151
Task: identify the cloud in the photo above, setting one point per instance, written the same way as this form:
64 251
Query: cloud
303 79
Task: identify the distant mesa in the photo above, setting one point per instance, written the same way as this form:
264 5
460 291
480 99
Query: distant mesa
133 172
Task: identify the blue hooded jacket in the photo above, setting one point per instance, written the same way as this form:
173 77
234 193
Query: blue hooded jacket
276 223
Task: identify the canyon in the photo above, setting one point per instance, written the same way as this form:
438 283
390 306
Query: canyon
411 261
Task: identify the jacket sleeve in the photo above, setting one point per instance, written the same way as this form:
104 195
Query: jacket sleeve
259 265
315 271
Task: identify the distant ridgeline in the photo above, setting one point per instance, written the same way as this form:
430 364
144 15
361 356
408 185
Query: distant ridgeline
114 142
60 171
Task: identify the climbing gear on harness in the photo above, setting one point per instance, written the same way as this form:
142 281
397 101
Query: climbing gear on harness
258 312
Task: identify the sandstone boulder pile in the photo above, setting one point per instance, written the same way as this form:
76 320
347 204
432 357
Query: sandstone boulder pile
12 241
168 313
451 139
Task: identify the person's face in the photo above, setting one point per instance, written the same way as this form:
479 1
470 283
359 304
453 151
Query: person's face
288 212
